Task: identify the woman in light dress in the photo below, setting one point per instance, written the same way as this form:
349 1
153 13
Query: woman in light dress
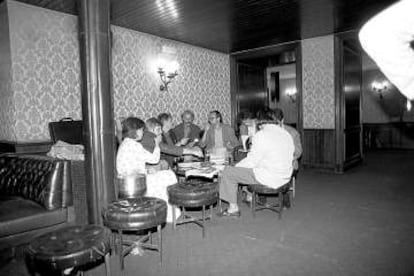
132 157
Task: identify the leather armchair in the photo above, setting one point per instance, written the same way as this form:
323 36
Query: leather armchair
35 197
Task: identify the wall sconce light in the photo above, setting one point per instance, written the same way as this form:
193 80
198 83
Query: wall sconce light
167 67
379 87
291 93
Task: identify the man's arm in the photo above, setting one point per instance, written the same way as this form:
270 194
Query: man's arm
387 38
171 149
232 139
256 153
298 145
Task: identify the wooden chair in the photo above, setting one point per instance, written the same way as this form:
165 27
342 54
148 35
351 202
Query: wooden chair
265 191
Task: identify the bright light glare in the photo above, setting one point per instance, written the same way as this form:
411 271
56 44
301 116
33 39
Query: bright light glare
291 91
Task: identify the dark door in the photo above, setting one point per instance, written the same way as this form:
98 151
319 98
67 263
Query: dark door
351 90
251 92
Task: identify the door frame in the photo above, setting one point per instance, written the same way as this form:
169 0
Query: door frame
260 53
340 158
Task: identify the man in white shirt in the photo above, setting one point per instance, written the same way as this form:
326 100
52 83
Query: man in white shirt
388 38
269 162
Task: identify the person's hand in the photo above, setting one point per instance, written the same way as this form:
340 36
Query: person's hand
157 140
229 145
164 165
151 170
184 141
206 127
196 151
191 144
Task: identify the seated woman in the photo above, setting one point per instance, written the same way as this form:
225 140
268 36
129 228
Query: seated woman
131 159
169 146
218 135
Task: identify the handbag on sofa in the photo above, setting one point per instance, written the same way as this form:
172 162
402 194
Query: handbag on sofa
66 130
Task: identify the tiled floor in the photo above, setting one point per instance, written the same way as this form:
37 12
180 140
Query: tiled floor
357 223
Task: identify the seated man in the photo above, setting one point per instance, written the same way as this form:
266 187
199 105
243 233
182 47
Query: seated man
169 149
218 135
277 115
269 163
187 133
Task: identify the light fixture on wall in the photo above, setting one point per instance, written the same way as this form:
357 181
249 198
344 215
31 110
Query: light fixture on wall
167 67
291 93
409 105
379 87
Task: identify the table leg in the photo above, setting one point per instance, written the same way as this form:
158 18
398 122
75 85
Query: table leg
160 241
108 264
173 215
121 251
203 216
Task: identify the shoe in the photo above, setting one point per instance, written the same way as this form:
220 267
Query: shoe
226 213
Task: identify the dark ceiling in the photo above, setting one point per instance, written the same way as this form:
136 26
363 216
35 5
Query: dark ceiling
234 25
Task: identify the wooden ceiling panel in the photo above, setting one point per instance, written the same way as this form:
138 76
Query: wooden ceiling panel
234 25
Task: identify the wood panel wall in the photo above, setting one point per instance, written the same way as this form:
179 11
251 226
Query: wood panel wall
319 149
398 135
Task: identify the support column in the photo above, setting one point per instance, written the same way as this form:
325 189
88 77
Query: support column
97 105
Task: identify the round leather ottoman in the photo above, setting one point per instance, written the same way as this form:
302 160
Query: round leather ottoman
69 247
191 194
134 214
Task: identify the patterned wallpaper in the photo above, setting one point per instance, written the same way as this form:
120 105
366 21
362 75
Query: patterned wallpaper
203 83
7 112
46 73
318 82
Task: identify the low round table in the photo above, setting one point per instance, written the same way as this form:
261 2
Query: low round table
192 194
135 214
67 248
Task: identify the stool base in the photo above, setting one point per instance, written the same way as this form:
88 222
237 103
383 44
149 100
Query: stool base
141 243
186 218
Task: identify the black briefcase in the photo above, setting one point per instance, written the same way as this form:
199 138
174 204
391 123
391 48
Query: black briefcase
66 130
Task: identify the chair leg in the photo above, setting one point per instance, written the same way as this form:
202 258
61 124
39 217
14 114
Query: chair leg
280 194
203 217
173 216
253 204
121 251
159 231
108 264
219 206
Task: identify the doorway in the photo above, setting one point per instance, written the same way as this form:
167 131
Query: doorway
268 78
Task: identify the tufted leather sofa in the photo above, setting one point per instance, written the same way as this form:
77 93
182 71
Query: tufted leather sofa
35 197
